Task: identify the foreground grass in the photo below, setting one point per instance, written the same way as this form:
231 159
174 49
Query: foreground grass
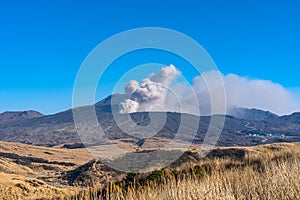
278 181
266 172
266 175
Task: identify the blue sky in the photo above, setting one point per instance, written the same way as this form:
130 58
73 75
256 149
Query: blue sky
43 43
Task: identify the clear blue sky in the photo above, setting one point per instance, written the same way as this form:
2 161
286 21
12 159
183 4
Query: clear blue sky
43 43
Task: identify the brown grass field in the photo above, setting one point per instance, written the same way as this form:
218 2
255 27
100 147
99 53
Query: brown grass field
265 172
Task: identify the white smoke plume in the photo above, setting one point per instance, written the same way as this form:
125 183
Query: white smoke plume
150 92
240 92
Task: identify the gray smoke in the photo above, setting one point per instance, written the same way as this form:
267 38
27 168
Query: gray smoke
206 95
150 93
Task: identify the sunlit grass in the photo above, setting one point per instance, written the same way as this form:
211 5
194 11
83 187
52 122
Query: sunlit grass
264 173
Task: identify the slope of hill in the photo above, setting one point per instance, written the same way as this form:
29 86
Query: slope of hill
251 114
28 172
293 118
10 117
47 173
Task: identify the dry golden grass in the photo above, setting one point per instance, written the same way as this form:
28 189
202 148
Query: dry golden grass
19 187
266 172
15 181
77 156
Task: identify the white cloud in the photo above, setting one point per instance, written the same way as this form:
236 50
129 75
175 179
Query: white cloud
261 94
249 93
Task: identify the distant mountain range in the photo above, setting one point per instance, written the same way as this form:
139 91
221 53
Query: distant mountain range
242 126
10 117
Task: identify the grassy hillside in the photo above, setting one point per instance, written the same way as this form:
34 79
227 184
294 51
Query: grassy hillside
261 172
266 172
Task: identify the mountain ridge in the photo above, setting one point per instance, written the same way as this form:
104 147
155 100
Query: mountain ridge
251 114
16 116
59 128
